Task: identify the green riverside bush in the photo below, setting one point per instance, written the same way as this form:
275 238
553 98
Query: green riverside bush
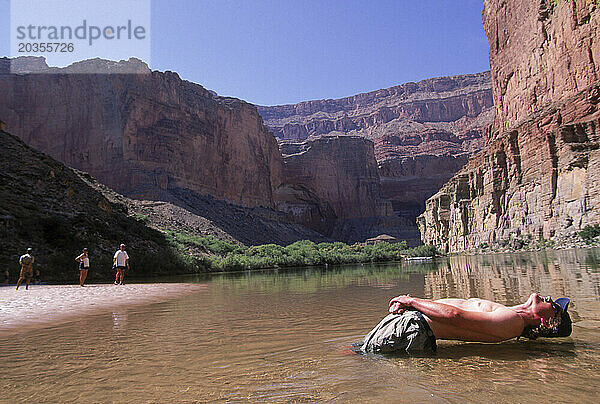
211 254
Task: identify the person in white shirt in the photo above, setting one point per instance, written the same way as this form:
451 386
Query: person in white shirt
84 266
121 261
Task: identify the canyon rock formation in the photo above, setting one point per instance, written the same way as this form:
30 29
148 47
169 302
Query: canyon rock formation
58 210
143 135
538 174
329 179
423 133
150 135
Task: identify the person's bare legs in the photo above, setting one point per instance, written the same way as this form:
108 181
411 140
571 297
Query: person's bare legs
27 283
19 282
82 276
121 275
117 276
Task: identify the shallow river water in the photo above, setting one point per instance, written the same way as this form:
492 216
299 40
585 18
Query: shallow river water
284 336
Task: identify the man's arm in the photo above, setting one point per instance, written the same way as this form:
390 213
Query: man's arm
503 324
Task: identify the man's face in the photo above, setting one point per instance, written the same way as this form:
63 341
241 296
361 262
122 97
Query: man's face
542 307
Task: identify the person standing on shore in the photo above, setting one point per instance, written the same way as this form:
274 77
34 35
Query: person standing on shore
26 261
6 275
121 260
84 266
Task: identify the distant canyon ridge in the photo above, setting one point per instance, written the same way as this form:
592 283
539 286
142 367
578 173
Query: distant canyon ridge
348 169
422 134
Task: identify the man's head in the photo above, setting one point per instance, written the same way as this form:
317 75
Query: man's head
122 247
553 316
29 250
560 325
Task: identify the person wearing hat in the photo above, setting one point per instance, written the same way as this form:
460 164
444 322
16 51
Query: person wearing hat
26 262
414 324
84 265
121 261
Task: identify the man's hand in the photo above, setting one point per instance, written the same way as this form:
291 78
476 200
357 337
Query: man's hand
399 304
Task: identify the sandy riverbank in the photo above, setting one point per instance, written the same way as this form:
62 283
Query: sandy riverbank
44 305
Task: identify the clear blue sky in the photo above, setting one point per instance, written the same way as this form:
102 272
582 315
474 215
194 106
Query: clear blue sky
284 51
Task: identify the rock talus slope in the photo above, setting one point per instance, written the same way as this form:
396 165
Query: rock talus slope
539 171
58 210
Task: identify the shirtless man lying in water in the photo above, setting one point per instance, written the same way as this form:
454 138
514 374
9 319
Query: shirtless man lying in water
414 324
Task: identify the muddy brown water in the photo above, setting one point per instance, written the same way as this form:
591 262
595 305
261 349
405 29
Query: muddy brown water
283 336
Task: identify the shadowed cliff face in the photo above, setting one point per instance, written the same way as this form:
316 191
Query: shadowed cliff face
538 173
145 134
57 211
329 179
423 132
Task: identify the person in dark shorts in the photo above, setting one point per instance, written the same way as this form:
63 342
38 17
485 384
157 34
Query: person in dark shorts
26 261
37 279
414 324
121 261
6 276
84 265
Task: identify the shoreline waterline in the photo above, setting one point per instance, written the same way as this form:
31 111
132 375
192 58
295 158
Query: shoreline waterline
45 306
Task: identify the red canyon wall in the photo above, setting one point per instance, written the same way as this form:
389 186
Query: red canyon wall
143 134
538 174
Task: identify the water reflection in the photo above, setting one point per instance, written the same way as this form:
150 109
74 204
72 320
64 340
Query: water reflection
511 278
282 336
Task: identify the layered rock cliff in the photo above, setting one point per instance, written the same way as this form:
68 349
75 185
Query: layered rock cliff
143 135
449 103
538 173
329 179
58 210
423 133
151 135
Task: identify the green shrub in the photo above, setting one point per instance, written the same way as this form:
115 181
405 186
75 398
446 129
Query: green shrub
141 218
590 232
221 255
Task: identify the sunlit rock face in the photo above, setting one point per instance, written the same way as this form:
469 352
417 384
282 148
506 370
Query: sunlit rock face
143 133
423 133
538 173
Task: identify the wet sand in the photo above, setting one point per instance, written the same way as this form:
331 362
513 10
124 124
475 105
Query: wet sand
47 305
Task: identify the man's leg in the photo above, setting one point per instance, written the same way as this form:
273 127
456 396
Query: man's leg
27 283
121 274
117 276
19 282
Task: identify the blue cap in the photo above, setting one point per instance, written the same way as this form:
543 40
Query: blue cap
563 303
564 329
